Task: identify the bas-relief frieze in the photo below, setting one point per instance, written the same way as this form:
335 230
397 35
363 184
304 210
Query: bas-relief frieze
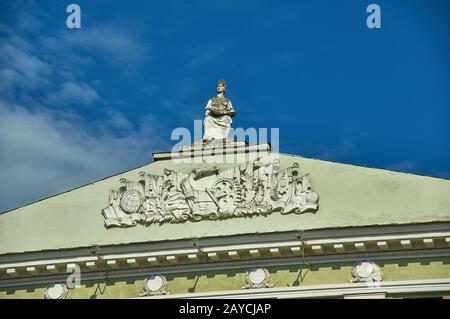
253 188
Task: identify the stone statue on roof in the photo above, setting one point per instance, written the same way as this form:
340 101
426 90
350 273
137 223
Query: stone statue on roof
219 112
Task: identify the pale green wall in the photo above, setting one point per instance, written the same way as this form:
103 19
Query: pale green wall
350 196
432 268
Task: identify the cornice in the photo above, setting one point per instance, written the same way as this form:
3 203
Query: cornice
199 254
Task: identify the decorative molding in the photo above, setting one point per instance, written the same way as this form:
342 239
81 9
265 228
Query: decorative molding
326 249
11 272
317 249
253 188
366 271
152 261
195 258
368 234
51 269
255 253
229 265
56 291
360 246
339 248
257 278
132 262
406 243
155 285
383 245
91 265
237 151
275 252
428 242
233 254
31 270
296 250
213 256
112 263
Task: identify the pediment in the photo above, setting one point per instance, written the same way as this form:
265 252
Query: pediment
300 194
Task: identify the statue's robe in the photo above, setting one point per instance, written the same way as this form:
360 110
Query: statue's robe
217 123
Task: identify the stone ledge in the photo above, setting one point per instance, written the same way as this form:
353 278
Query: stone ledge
214 149
325 248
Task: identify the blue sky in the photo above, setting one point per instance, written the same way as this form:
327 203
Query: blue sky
80 105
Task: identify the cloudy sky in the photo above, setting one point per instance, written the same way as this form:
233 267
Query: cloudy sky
77 105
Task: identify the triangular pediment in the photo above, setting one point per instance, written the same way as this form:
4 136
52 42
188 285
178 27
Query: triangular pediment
347 196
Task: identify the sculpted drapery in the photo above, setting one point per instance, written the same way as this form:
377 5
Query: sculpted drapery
219 112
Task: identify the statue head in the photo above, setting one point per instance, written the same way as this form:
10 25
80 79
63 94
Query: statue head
221 86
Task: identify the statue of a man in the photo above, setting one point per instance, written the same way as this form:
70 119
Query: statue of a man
219 112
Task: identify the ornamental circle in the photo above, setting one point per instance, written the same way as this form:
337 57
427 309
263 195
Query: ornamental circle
56 291
155 285
257 276
365 269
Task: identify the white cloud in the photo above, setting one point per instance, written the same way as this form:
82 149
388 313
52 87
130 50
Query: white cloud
20 68
45 152
22 61
27 15
71 92
118 121
110 43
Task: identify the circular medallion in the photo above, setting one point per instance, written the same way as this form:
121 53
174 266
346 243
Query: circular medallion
364 270
257 276
56 291
155 285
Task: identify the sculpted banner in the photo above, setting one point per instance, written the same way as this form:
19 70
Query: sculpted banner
208 192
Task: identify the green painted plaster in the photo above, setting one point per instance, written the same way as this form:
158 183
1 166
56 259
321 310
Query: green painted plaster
350 196
281 276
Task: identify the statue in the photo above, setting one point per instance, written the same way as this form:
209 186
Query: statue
219 112
209 192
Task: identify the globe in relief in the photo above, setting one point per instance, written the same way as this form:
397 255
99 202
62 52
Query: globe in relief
131 201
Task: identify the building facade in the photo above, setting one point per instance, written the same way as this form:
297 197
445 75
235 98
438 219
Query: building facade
196 224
